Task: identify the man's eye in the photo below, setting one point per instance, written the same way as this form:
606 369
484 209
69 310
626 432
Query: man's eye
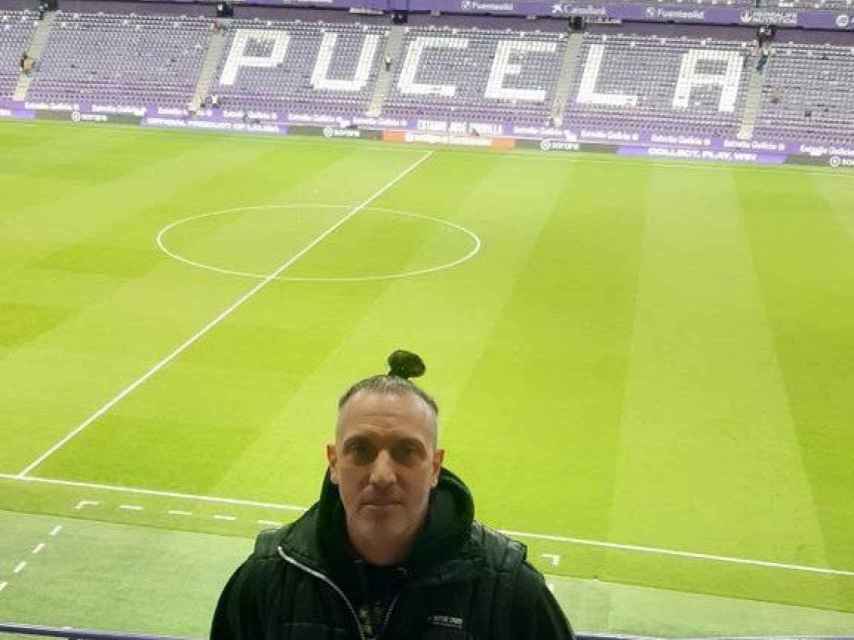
361 452
405 453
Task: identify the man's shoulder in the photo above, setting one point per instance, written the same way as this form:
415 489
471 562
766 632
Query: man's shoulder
294 538
500 552
267 542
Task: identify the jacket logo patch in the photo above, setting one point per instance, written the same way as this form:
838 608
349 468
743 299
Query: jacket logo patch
449 622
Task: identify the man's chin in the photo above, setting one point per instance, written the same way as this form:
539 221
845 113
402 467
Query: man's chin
384 513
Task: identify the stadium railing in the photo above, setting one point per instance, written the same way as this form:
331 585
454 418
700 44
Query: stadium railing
92 634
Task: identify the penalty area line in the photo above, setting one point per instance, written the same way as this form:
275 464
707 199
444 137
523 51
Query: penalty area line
219 318
521 534
157 493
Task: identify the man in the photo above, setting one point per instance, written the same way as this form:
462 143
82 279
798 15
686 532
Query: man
391 549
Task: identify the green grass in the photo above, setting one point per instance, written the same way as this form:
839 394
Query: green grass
644 354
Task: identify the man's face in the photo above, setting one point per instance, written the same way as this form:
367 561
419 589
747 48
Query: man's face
385 464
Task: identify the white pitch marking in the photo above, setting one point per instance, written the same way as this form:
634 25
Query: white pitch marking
521 534
682 554
476 244
20 566
222 517
551 586
222 316
270 523
131 507
55 531
552 557
3 585
177 512
154 492
86 503
38 548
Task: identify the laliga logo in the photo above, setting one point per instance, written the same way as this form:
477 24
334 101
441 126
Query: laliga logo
466 5
327 132
650 12
546 145
842 21
835 161
75 116
747 16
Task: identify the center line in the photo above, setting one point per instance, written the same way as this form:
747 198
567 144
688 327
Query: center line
222 316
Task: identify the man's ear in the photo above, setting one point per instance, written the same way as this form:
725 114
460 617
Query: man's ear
438 459
332 459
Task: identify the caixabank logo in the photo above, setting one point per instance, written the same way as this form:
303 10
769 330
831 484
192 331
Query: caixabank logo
843 21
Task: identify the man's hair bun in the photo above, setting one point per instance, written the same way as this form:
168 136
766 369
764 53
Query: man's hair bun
405 364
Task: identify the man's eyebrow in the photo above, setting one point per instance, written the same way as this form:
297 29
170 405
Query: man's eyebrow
412 441
359 437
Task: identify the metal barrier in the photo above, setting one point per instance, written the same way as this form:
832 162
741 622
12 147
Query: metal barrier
69 633
76 634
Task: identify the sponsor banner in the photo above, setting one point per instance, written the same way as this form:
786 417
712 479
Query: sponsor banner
461 128
87 116
561 145
711 155
742 13
777 16
835 162
382 122
823 151
351 133
418 137
18 114
213 125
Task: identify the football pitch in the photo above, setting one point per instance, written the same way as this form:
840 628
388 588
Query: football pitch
645 371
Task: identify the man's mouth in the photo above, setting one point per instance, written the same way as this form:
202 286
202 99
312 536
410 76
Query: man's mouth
381 503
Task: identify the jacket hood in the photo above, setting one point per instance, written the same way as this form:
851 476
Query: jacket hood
319 538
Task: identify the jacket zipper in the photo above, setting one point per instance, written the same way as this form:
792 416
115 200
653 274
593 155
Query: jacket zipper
388 614
334 586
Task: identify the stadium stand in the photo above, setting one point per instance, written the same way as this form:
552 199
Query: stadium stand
16 31
680 84
477 74
807 94
687 80
128 59
300 66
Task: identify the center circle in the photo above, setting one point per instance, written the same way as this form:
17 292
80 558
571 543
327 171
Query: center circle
473 237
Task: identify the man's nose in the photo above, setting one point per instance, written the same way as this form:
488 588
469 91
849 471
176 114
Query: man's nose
382 471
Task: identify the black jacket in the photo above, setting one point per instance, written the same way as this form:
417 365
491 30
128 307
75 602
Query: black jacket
462 581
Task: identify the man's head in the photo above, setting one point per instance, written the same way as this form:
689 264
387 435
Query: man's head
385 461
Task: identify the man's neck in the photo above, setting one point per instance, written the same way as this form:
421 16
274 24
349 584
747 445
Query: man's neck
381 552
